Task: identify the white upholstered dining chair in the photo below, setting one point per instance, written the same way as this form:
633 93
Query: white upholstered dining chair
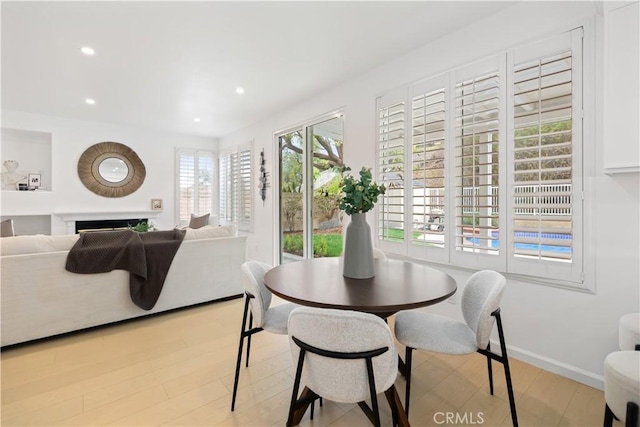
344 356
480 303
262 316
622 375
377 253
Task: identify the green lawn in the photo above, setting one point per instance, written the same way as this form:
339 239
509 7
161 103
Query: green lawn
324 245
334 243
331 245
397 235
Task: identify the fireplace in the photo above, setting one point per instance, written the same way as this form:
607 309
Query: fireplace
105 220
107 224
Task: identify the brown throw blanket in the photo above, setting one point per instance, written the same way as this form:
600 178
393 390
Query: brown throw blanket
147 257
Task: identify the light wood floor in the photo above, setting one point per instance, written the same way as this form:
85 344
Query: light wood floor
177 369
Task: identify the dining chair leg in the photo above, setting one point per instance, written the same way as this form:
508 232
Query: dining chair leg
407 361
490 370
313 407
372 390
608 416
632 414
507 371
239 360
296 386
249 339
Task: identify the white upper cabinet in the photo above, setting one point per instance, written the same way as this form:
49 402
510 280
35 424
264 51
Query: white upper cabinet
621 113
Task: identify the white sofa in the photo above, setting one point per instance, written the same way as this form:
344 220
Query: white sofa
40 298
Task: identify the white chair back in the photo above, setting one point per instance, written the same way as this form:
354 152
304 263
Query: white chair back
252 273
341 380
481 297
379 254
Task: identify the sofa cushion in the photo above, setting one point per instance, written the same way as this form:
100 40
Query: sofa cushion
209 232
37 243
199 221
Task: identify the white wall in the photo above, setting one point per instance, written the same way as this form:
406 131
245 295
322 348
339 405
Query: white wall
70 138
565 331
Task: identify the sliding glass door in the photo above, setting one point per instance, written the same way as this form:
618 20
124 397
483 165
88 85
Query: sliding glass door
310 162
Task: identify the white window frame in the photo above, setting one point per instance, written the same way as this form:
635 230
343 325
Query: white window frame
248 182
573 271
578 276
196 154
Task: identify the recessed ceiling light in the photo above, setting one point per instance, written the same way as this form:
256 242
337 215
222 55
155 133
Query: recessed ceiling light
196 119
90 101
87 51
239 90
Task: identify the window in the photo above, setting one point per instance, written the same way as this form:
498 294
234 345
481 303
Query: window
235 188
195 186
496 164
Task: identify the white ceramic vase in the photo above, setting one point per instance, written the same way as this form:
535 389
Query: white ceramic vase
358 249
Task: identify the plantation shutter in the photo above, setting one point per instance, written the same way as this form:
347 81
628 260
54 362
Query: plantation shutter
204 187
244 193
224 168
428 160
195 183
547 133
186 185
227 166
391 136
235 188
477 137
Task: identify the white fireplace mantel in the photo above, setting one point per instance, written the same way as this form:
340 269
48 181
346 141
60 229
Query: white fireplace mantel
71 217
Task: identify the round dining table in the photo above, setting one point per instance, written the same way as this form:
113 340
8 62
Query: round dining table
397 285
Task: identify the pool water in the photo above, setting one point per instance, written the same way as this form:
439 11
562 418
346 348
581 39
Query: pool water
531 246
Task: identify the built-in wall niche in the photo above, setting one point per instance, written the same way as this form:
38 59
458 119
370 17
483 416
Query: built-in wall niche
30 224
31 150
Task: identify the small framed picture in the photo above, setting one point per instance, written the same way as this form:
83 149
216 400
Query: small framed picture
33 180
156 204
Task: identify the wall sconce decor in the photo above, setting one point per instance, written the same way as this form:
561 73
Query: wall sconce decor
263 184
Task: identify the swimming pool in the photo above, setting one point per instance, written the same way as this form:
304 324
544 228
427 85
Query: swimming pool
531 246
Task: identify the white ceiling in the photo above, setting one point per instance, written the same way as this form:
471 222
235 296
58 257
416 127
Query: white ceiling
160 64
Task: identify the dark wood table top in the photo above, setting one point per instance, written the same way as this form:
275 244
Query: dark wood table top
397 285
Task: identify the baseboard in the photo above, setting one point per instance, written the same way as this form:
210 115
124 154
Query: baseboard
551 365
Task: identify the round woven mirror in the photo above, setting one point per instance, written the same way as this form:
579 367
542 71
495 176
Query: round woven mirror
111 169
